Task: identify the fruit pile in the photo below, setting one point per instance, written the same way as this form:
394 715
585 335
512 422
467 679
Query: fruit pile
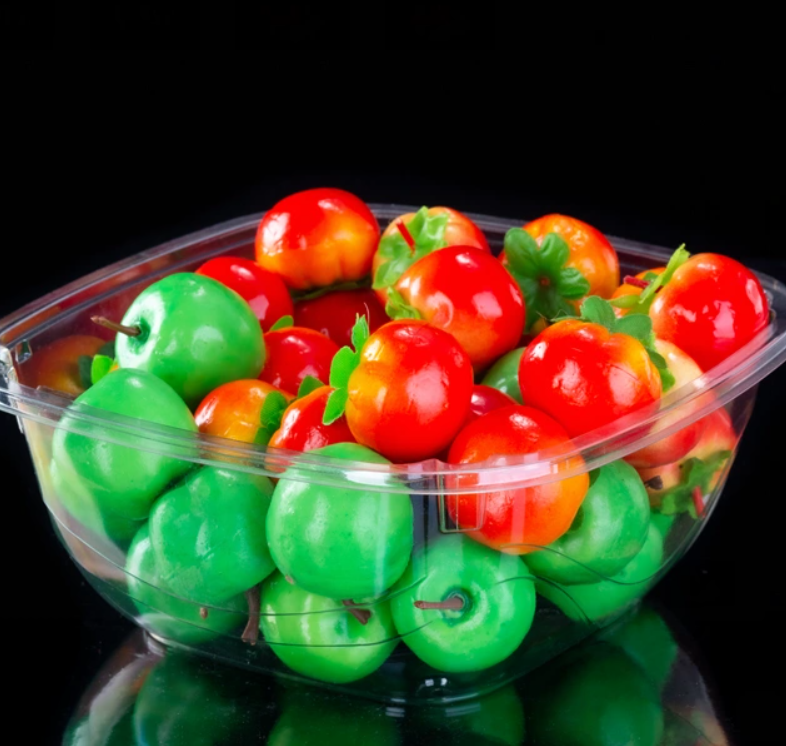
396 348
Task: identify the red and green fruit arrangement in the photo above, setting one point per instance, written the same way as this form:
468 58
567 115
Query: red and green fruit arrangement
393 348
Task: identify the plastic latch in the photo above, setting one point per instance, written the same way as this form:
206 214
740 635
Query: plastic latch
8 373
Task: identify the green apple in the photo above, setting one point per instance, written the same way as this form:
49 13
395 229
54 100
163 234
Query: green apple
593 696
472 609
111 486
319 637
343 541
321 718
597 601
173 617
194 333
608 531
208 534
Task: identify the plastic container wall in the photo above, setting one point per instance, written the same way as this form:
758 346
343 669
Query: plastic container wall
420 607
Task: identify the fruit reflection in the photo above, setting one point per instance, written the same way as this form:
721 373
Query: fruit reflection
631 685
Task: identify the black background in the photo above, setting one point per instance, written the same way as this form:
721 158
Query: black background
102 170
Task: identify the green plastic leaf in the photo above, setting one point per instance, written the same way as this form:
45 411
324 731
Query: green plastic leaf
678 258
100 366
307 385
334 408
84 364
387 274
344 362
598 311
554 252
540 272
625 301
521 252
107 349
283 323
270 416
360 332
667 379
695 473
572 284
428 234
635 325
397 308
658 359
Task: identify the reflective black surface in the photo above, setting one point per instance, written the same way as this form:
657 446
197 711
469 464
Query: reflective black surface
636 684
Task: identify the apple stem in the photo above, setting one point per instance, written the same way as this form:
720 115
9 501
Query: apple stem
454 603
404 231
698 501
203 612
655 483
635 281
129 331
362 615
251 632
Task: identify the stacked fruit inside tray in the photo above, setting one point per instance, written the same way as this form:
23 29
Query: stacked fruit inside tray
391 349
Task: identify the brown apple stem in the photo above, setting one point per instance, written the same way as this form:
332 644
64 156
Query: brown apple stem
404 231
362 615
454 603
655 483
203 612
635 281
698 501
251 632
129 331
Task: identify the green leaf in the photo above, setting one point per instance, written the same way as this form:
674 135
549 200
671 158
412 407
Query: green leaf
695 473
360 332
667 379
344 362
99 367
307 385
84 364
397 308
554 252
273 409
625 301
107 349
387 274
572 284
283 323
598 311
678 258
521 252
334 408
635 325
546 284
428 234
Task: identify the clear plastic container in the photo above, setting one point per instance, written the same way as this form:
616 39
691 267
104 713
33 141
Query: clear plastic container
507 612
637 683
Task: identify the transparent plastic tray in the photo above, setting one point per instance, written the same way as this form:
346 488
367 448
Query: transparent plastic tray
565 612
